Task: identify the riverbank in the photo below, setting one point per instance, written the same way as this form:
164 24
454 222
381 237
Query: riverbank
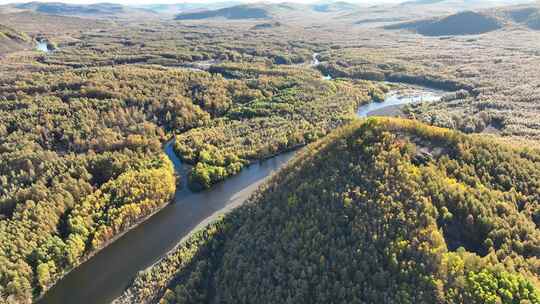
90 255
396 99
106 275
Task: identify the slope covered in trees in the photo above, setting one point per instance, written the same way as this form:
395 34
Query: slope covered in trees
476 22
234 12
381 211
463 23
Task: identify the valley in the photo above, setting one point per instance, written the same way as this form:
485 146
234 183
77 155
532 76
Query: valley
189 212
160 153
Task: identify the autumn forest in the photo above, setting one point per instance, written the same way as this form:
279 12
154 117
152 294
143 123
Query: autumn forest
437 205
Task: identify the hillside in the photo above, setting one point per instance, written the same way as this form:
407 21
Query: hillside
284 10
36 24
381 211
98 10
464 23
425 10
234 12
338 6
178 8
474 22
12 40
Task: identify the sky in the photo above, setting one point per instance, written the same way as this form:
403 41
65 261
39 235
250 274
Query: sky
139 2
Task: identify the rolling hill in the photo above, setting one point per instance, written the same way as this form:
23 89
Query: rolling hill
234 13
464 23
381 211
337 6
188 7
424 10
458 5
475 22
98 10
283 10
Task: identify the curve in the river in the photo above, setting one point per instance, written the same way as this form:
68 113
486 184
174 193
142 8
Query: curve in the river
105 276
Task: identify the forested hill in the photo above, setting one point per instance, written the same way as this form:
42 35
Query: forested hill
463 23
380 211
235 12
472 23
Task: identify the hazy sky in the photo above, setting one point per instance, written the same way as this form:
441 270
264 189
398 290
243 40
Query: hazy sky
138 2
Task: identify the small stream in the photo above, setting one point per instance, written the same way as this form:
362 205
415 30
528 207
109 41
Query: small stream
106 275
315 60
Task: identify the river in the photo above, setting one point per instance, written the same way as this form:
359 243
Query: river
399 98
43 46
105 276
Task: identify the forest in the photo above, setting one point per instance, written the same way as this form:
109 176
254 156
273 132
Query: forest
75 172
81 145
377 211
382 210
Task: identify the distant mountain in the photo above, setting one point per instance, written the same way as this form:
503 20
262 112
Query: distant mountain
464 23
271 10
413 10
461 4
338 6
528 16
188 7
470 23
247 11
234 12
421 2
57 8
90 10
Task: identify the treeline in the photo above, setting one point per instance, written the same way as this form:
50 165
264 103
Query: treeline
383 73
383 210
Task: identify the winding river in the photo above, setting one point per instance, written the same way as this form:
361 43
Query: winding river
104 276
